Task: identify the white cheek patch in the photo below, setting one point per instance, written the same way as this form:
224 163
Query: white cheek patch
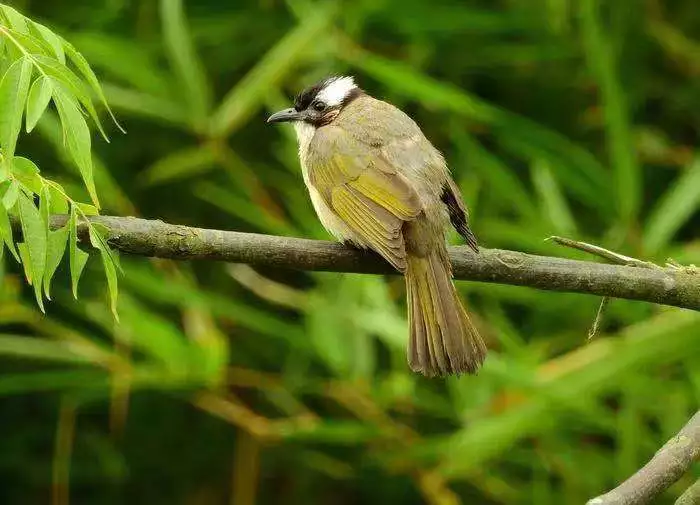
335 91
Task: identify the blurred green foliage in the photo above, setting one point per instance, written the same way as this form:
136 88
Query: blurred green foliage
221 384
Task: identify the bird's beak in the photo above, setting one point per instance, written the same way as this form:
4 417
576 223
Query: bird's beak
284 116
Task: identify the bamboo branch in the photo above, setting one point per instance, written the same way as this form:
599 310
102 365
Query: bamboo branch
665 468
667 286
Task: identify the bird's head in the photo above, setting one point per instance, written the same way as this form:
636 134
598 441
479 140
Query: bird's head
320 104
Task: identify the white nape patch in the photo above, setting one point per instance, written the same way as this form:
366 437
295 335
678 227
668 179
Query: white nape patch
335 90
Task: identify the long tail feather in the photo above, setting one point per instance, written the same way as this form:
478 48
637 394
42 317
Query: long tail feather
443 340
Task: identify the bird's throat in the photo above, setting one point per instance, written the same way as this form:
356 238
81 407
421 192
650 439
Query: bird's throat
305 133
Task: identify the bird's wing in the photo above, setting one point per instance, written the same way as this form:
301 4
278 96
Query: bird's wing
363 190
459 215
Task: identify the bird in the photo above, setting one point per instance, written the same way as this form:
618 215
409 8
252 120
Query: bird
376 182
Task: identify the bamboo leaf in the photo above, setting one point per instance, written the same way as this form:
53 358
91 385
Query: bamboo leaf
39 98
38 349
242 100
553 202
125 60
185 61
601 60
180 164
676 206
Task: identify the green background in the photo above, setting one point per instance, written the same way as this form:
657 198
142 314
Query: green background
226 385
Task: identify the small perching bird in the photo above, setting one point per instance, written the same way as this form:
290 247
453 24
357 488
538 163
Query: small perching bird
376 182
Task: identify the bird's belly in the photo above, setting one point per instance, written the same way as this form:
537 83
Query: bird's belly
329 220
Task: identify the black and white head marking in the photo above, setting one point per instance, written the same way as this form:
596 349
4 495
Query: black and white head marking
317 106
322 102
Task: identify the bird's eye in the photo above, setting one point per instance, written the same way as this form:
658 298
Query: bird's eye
319 106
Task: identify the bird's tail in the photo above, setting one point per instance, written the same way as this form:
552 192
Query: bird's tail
443 340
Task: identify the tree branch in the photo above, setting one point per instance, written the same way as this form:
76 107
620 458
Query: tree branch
667 286
665 468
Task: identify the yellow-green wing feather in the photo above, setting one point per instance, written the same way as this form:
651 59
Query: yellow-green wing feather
364 191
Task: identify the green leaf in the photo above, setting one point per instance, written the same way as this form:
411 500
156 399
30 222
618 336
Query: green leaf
6 232
72 378
241 101
21 43
13 95
125 60
184 59
9 199
109 263
59 204
156 337
136 103
54 254
72 86
180 164
77 137
57 239
21 346
34 230
84 68
87 209
675 207
45 204
16 20
604 67
554 204
78 257
51 39
26 262
101 233
18 45
585 176
27 174
39 98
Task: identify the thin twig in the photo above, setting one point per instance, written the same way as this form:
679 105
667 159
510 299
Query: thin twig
691 496
612 256
666 467
598 317
158 239
607 254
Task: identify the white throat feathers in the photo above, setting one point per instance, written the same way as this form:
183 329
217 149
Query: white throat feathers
305 133
336 90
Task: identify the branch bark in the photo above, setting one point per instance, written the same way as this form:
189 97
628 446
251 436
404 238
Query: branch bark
665 468
667 286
